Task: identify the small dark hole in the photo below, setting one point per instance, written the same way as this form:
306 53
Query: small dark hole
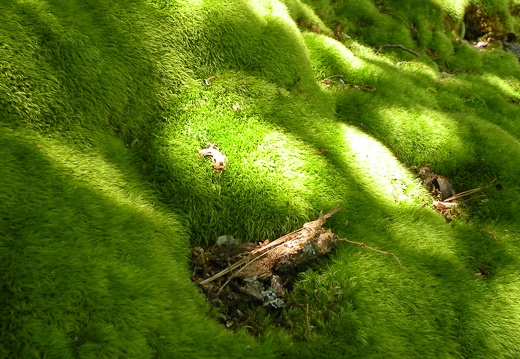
499 187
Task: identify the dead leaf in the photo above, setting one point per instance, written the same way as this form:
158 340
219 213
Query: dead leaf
207 81
218 160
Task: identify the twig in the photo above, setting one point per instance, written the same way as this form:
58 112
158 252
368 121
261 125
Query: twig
262 250
207 81
240 270
404 22
375 48
472 198
307 317
332 212
248 258
492 234
332 77
363 245
468 192
511 233
400 18
277 242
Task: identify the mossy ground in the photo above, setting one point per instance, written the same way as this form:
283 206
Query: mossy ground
105 104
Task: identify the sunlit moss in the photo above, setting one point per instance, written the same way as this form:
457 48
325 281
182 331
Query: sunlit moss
100 205
453 7
379 167
331 58
506 85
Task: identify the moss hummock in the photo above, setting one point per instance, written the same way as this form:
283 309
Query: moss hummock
105 105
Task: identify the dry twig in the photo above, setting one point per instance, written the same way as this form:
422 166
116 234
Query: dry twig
263 250
492 234
255 253
327 80
363 245
471 191
375 48
308 319
208 81
237 272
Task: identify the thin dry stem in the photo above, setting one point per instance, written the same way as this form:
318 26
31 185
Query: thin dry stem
240 270
397 47
256 253
332 77
468 192
308 318
363 245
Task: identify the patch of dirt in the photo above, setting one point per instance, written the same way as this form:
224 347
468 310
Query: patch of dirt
478 24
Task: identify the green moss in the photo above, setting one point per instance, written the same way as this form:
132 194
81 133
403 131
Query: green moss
441 45
104 107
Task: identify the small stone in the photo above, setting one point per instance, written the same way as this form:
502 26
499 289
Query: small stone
226 240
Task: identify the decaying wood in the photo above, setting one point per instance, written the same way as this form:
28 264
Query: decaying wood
218 160
280 255
242 275
236 277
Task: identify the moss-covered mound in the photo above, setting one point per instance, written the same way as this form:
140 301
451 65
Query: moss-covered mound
104 105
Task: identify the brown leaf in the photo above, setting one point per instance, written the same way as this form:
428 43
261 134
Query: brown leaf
218 160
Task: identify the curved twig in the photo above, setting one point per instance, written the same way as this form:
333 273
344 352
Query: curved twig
363 245
471 191
375 48
240 270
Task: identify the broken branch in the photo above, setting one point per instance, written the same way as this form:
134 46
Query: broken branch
375 48
254 254
260 251
468 192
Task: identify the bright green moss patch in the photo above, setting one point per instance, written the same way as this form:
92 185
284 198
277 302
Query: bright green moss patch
104 107
91 265
272 170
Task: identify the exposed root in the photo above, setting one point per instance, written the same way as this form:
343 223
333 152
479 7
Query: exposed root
364 246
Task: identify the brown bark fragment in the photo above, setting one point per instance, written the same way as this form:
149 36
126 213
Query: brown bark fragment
245 275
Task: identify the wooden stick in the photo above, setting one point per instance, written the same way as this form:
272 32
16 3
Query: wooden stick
308 319
332 212
260 251
332 77
240 270
396 47
472 198
468 192
255 253
225 271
